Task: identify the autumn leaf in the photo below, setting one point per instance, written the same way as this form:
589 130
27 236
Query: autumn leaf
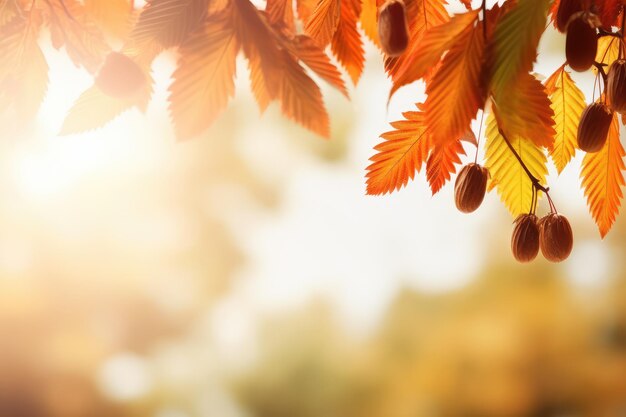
323 23
24 70
401 154
515 44
603 178
314 57
94 109
507 175
441 163
456 91
346 43
525 110
280 13
305 9
428 42
568 103
8 11
169 22
608 51
608 11
113 17
467 4
204 78
260 48
369 21
300 98
263 85
70 27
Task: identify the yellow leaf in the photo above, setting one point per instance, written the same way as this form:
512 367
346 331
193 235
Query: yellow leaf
400 155
608 51
204 79
93 108
525 110
568 103
507 175
603 178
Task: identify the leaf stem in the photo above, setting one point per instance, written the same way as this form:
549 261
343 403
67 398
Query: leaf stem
536 183
483 7
480 131
600 66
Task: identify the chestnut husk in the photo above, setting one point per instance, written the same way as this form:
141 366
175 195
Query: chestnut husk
593 128
525 238
393 30
616 85
470 187
556 239
581 42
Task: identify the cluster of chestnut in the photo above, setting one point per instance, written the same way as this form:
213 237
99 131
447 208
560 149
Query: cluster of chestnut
581 49
551 234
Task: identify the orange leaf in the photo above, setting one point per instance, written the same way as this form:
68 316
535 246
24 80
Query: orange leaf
323 23
169 22
456 93
602 178
369 21
608 11
441 163
300 98
400 155
275 72
525 110
259 45
114 17
467 4
346 43
72 28
263 85
24 70
550 83
427 44
315 58
280 12
305 9
204 79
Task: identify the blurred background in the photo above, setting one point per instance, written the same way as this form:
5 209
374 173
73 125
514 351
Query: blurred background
247 274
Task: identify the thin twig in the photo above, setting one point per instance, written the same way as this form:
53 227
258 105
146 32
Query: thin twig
600 66
603 32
